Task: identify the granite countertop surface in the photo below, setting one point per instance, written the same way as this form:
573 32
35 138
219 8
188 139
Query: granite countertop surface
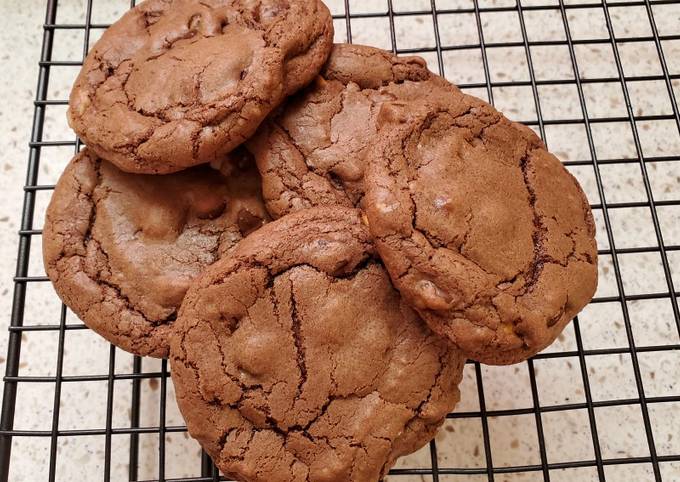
513 439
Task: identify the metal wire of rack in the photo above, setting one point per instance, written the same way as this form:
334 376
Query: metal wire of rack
435 469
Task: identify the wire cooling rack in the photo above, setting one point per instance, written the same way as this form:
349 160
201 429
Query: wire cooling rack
565 415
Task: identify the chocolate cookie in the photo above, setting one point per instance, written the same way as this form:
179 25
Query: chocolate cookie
176 83
311 153
483 230
121 249
295 359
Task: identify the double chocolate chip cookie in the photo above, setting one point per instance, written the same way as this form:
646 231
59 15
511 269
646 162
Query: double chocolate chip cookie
176 83
122 249
295 359
483 231
312 152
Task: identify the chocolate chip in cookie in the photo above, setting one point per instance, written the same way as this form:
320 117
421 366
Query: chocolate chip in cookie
177 83
483 230
312 152
295 358
121 249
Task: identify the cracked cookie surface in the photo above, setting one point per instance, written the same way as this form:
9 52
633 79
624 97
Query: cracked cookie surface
483 230
177 83
121 249
312 152
295 359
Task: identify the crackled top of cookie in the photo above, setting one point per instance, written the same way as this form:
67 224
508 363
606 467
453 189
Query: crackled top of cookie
295 359
312 152
121 249
176 83
482 229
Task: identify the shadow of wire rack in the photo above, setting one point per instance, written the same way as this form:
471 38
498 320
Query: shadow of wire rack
602 106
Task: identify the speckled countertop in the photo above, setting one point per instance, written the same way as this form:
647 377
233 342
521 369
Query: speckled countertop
513 439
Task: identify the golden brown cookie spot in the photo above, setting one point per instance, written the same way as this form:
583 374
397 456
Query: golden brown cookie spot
161 223
364 219
81 103
431 297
